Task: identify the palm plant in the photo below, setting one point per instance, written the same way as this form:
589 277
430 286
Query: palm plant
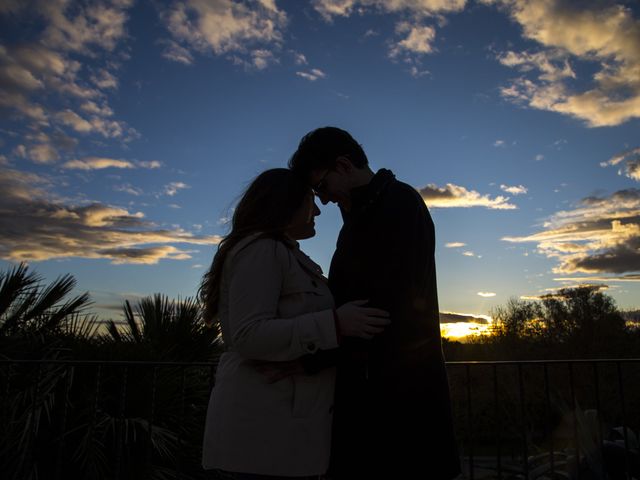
34 320
27 307
86 422
168 329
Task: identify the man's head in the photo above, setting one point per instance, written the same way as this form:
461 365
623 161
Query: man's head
331 162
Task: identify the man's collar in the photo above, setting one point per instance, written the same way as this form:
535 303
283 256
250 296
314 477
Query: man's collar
366 195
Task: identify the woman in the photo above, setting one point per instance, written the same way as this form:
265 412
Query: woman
273 304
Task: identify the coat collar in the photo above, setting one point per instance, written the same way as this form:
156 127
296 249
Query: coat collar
294 247
306 262
365 196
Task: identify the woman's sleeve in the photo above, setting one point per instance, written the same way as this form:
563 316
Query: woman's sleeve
256 279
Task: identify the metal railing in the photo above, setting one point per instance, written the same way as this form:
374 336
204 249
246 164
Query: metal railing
121 420
548 418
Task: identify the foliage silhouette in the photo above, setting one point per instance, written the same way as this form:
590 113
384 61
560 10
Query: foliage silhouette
91 422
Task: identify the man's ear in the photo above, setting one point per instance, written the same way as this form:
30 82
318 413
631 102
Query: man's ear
343 164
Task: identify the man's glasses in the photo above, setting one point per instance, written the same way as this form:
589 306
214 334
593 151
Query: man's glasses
318 188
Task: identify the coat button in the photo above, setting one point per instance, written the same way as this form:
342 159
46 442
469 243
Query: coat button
311 346
314 283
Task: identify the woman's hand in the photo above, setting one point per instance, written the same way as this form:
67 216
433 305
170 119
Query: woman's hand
354 320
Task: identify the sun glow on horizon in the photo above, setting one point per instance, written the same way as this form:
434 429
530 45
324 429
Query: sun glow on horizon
461 331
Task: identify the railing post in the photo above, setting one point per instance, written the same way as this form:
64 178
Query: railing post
548 426
68 373
152 411
525 452
576 442
470 422
120 430
498 423
182 412
624 422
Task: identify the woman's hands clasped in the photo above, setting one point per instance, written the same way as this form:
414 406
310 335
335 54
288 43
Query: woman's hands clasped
356 320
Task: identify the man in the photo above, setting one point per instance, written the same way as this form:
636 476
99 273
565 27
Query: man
392 413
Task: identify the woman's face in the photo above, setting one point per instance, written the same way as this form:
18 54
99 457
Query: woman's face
303 225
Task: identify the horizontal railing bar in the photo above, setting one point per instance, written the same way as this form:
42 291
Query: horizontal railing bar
116 363
214 363
565 361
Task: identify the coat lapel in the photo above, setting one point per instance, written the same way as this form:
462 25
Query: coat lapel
309 265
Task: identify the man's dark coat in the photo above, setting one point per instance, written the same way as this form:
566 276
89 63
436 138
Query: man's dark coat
392 414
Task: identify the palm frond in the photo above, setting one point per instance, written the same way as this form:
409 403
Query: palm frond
73 306
51 295
134 329
14 283
83 327
113 331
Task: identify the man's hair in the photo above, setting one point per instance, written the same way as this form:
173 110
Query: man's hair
319 149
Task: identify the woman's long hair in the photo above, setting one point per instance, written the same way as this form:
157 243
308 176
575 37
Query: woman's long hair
267 206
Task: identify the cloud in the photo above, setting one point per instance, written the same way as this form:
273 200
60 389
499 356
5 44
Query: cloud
539 157
150 164
43 153
499 143
97 163
418 40
100 163
415 39
461 326
468 253
172 188
312 75
34 226
597 34
452 317
556 292
20 103
552 65
45 82
600 236
417 73
177 53
514 190
80 29
95 109
105 79
620 278
262 58
299 58
486 294
128 188
456 196
455 245
75 121
96 124
225 27
631 161
420 8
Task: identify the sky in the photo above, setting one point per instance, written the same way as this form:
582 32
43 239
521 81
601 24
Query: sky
129 129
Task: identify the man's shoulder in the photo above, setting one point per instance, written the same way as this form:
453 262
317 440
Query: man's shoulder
400 192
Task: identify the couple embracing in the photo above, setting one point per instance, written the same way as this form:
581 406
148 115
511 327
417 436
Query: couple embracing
341 378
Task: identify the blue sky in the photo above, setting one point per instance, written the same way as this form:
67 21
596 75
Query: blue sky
129 129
